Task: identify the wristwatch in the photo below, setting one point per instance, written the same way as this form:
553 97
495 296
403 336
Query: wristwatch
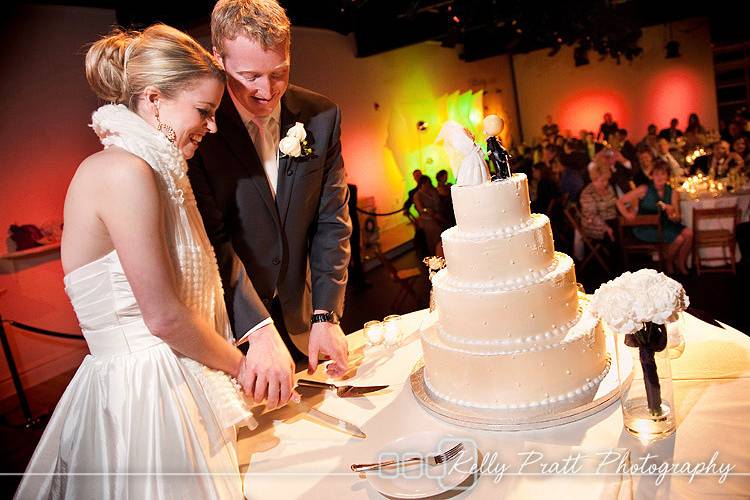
330 317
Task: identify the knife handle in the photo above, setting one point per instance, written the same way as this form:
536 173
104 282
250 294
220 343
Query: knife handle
314 383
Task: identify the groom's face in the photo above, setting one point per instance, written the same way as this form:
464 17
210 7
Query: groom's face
256 77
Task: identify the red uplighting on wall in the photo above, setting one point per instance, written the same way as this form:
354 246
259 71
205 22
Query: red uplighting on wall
673 93
585 109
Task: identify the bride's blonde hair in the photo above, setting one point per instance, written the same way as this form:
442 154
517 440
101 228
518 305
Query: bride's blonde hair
122 64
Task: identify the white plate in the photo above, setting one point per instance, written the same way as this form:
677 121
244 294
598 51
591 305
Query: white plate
420 481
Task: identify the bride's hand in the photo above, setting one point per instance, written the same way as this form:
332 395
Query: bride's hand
268 369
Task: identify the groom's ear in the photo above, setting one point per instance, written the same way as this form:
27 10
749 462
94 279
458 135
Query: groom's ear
219 58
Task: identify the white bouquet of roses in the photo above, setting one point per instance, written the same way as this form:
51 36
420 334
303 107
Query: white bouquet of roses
637 305
626 303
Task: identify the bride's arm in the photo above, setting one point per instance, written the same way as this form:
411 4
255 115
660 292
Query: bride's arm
130 209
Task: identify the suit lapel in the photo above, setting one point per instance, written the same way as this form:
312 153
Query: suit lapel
235 133
287 166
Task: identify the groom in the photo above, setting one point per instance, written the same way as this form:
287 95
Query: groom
279 223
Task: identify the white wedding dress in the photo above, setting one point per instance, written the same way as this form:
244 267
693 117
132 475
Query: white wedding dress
138 420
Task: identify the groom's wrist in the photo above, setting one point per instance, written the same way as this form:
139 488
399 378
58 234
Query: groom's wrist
246 337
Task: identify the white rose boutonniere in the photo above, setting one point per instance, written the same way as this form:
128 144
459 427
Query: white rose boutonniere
295 143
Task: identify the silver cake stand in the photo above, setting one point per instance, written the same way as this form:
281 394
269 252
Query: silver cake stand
526 419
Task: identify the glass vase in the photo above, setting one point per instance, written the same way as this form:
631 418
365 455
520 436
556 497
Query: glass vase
645 374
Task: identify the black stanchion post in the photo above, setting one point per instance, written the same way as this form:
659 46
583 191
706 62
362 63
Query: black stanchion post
14 374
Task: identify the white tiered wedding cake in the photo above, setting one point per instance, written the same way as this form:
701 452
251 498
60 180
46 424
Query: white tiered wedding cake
510 332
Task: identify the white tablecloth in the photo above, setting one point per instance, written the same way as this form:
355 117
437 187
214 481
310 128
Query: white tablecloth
292 456
687 205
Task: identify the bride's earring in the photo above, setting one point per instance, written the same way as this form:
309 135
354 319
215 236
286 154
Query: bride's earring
166 130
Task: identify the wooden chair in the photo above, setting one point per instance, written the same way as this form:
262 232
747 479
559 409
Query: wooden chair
632 245
594 246
726 239
405 279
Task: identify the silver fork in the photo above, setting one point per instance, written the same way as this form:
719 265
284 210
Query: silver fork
430 460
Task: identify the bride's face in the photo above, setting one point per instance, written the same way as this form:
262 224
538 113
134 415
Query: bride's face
256 77
192 113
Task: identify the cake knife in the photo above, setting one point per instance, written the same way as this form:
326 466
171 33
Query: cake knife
343 425
343 391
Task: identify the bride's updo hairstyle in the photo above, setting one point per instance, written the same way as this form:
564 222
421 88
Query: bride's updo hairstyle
122 64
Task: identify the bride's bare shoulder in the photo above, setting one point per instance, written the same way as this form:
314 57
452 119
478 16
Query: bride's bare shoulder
113 164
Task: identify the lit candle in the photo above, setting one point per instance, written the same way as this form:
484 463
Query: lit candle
392 327
374 332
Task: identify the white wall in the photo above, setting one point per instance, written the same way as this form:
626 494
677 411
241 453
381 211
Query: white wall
650 89
43 137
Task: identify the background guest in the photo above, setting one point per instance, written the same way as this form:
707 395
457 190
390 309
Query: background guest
651 138
416 175
598 202
658 197
446 202
741 146
694 125
664 154
719 162
573 156
427 201
625 146
607 128
645 164
550 129
672 133
570 180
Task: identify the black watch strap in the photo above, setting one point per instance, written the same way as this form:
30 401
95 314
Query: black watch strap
330 317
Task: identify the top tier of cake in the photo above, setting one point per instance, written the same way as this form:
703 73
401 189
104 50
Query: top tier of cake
492 206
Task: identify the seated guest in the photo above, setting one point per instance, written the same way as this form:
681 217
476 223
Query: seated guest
427 201
546 187
599 208
573 156
719 162
549 153
645 164
650 139
622 169
657 197
570 180
672 133
625 146
607 128
663 154
446 202
741 146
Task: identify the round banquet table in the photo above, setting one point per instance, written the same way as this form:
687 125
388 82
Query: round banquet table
291 455
741 200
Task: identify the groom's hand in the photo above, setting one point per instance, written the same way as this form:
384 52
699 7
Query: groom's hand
328 339
267 372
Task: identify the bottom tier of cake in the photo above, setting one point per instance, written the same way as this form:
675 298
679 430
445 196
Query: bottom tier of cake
506 378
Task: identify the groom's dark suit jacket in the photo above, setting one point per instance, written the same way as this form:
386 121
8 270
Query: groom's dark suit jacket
297 244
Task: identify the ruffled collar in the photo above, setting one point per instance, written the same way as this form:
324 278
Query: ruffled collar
116 125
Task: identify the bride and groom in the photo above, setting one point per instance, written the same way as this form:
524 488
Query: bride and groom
152 412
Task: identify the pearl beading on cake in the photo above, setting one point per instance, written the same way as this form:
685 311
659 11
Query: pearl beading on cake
586 387
561 264
583 329
555 332
535 222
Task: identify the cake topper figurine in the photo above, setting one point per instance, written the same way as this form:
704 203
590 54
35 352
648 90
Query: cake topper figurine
498 155
473 169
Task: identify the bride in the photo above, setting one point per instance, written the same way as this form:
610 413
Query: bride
151 412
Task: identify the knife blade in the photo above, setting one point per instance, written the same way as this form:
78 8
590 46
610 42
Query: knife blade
334 421
356 391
